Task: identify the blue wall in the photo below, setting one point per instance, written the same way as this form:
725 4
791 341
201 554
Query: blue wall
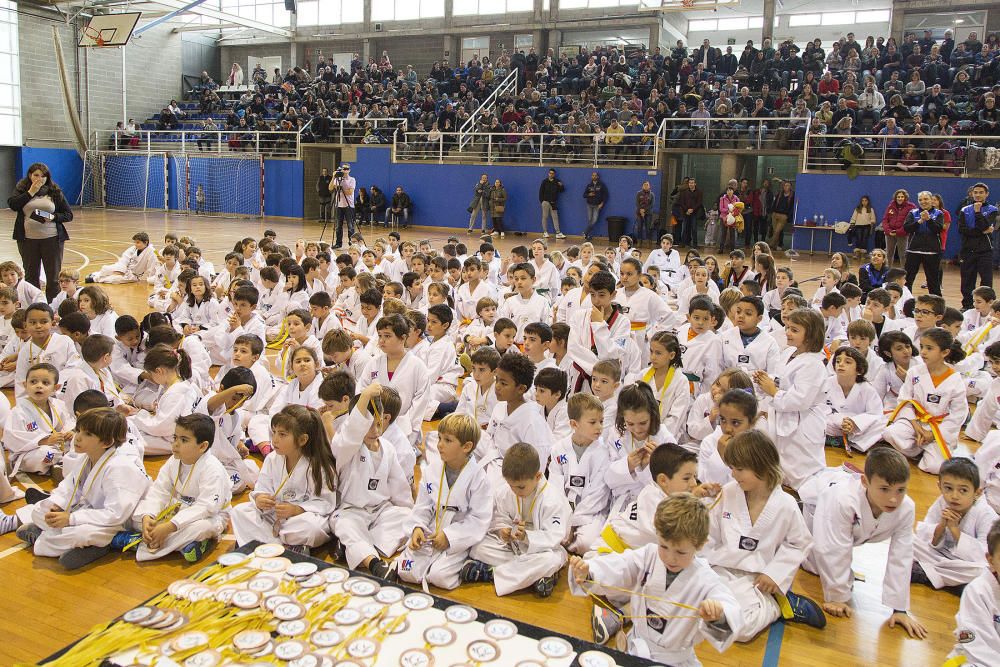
441 192
283 188
64 164
836 195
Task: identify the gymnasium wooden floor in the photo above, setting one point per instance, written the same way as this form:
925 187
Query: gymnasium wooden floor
47 608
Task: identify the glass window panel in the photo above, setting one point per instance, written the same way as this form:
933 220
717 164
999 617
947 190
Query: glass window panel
524 41
431 8
874 16
329 12
465 7
805 19
733 24
572 4
10 130
475 42
755 22
838 18
282 17
602 3
308 13
407 10
383 10
702 25
353 11
520 5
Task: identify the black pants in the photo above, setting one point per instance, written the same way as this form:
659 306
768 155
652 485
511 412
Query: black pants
976 265
861 235
324 210
344 213
498 223
932 270
36 253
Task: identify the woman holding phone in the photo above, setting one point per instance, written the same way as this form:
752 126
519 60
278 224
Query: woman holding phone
40 232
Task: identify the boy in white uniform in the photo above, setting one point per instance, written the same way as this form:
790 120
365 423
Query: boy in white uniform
526 305
746 345
375 499
479 398
164 279
92 503
977 640
449 516
643 307
857 511
220 339
531 519
514 419
661 575
701 347
237 387
951 540
91 372
134 265
43 346
39 426
601 332
185 508
577 467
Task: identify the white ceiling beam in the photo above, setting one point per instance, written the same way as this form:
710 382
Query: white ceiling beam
227 17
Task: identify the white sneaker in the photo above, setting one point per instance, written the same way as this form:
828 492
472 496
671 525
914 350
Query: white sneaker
545 235
502 235
560 235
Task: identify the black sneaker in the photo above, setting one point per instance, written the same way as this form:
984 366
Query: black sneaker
28 534
805 610
543 587
604 624
382 570
476 571
33 495
918 576
76 558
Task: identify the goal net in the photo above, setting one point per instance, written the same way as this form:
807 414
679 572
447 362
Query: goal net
230 185
122 180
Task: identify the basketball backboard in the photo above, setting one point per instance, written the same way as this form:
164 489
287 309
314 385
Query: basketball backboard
684 5
109 29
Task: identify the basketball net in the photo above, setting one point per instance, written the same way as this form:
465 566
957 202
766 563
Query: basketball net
95 35
687 4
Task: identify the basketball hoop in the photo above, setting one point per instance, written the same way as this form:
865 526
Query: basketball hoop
95 35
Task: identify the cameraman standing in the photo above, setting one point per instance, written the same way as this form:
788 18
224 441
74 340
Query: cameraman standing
343 186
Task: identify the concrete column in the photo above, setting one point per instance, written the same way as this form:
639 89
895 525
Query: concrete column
366 18
767 32
292 45
654 35
366 51
448 48
553 10
729 168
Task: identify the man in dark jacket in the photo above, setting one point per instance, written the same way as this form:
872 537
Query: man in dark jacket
976 224
400 207
548 196
323 191
596 195
691 204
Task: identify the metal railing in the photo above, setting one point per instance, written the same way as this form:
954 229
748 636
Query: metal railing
534 148
722 133
216 142
359 130
508 85
879 153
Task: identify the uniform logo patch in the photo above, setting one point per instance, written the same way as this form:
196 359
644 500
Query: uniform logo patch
31 427
562 459
372 484
748 544
406 565
933 398
966 636
743 359
577 481
727 515
656 623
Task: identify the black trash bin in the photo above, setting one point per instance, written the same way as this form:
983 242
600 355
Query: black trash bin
616 228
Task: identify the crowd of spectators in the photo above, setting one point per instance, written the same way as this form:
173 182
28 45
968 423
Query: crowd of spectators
618 97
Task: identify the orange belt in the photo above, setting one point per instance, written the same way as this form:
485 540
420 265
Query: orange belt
638 326
926 418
